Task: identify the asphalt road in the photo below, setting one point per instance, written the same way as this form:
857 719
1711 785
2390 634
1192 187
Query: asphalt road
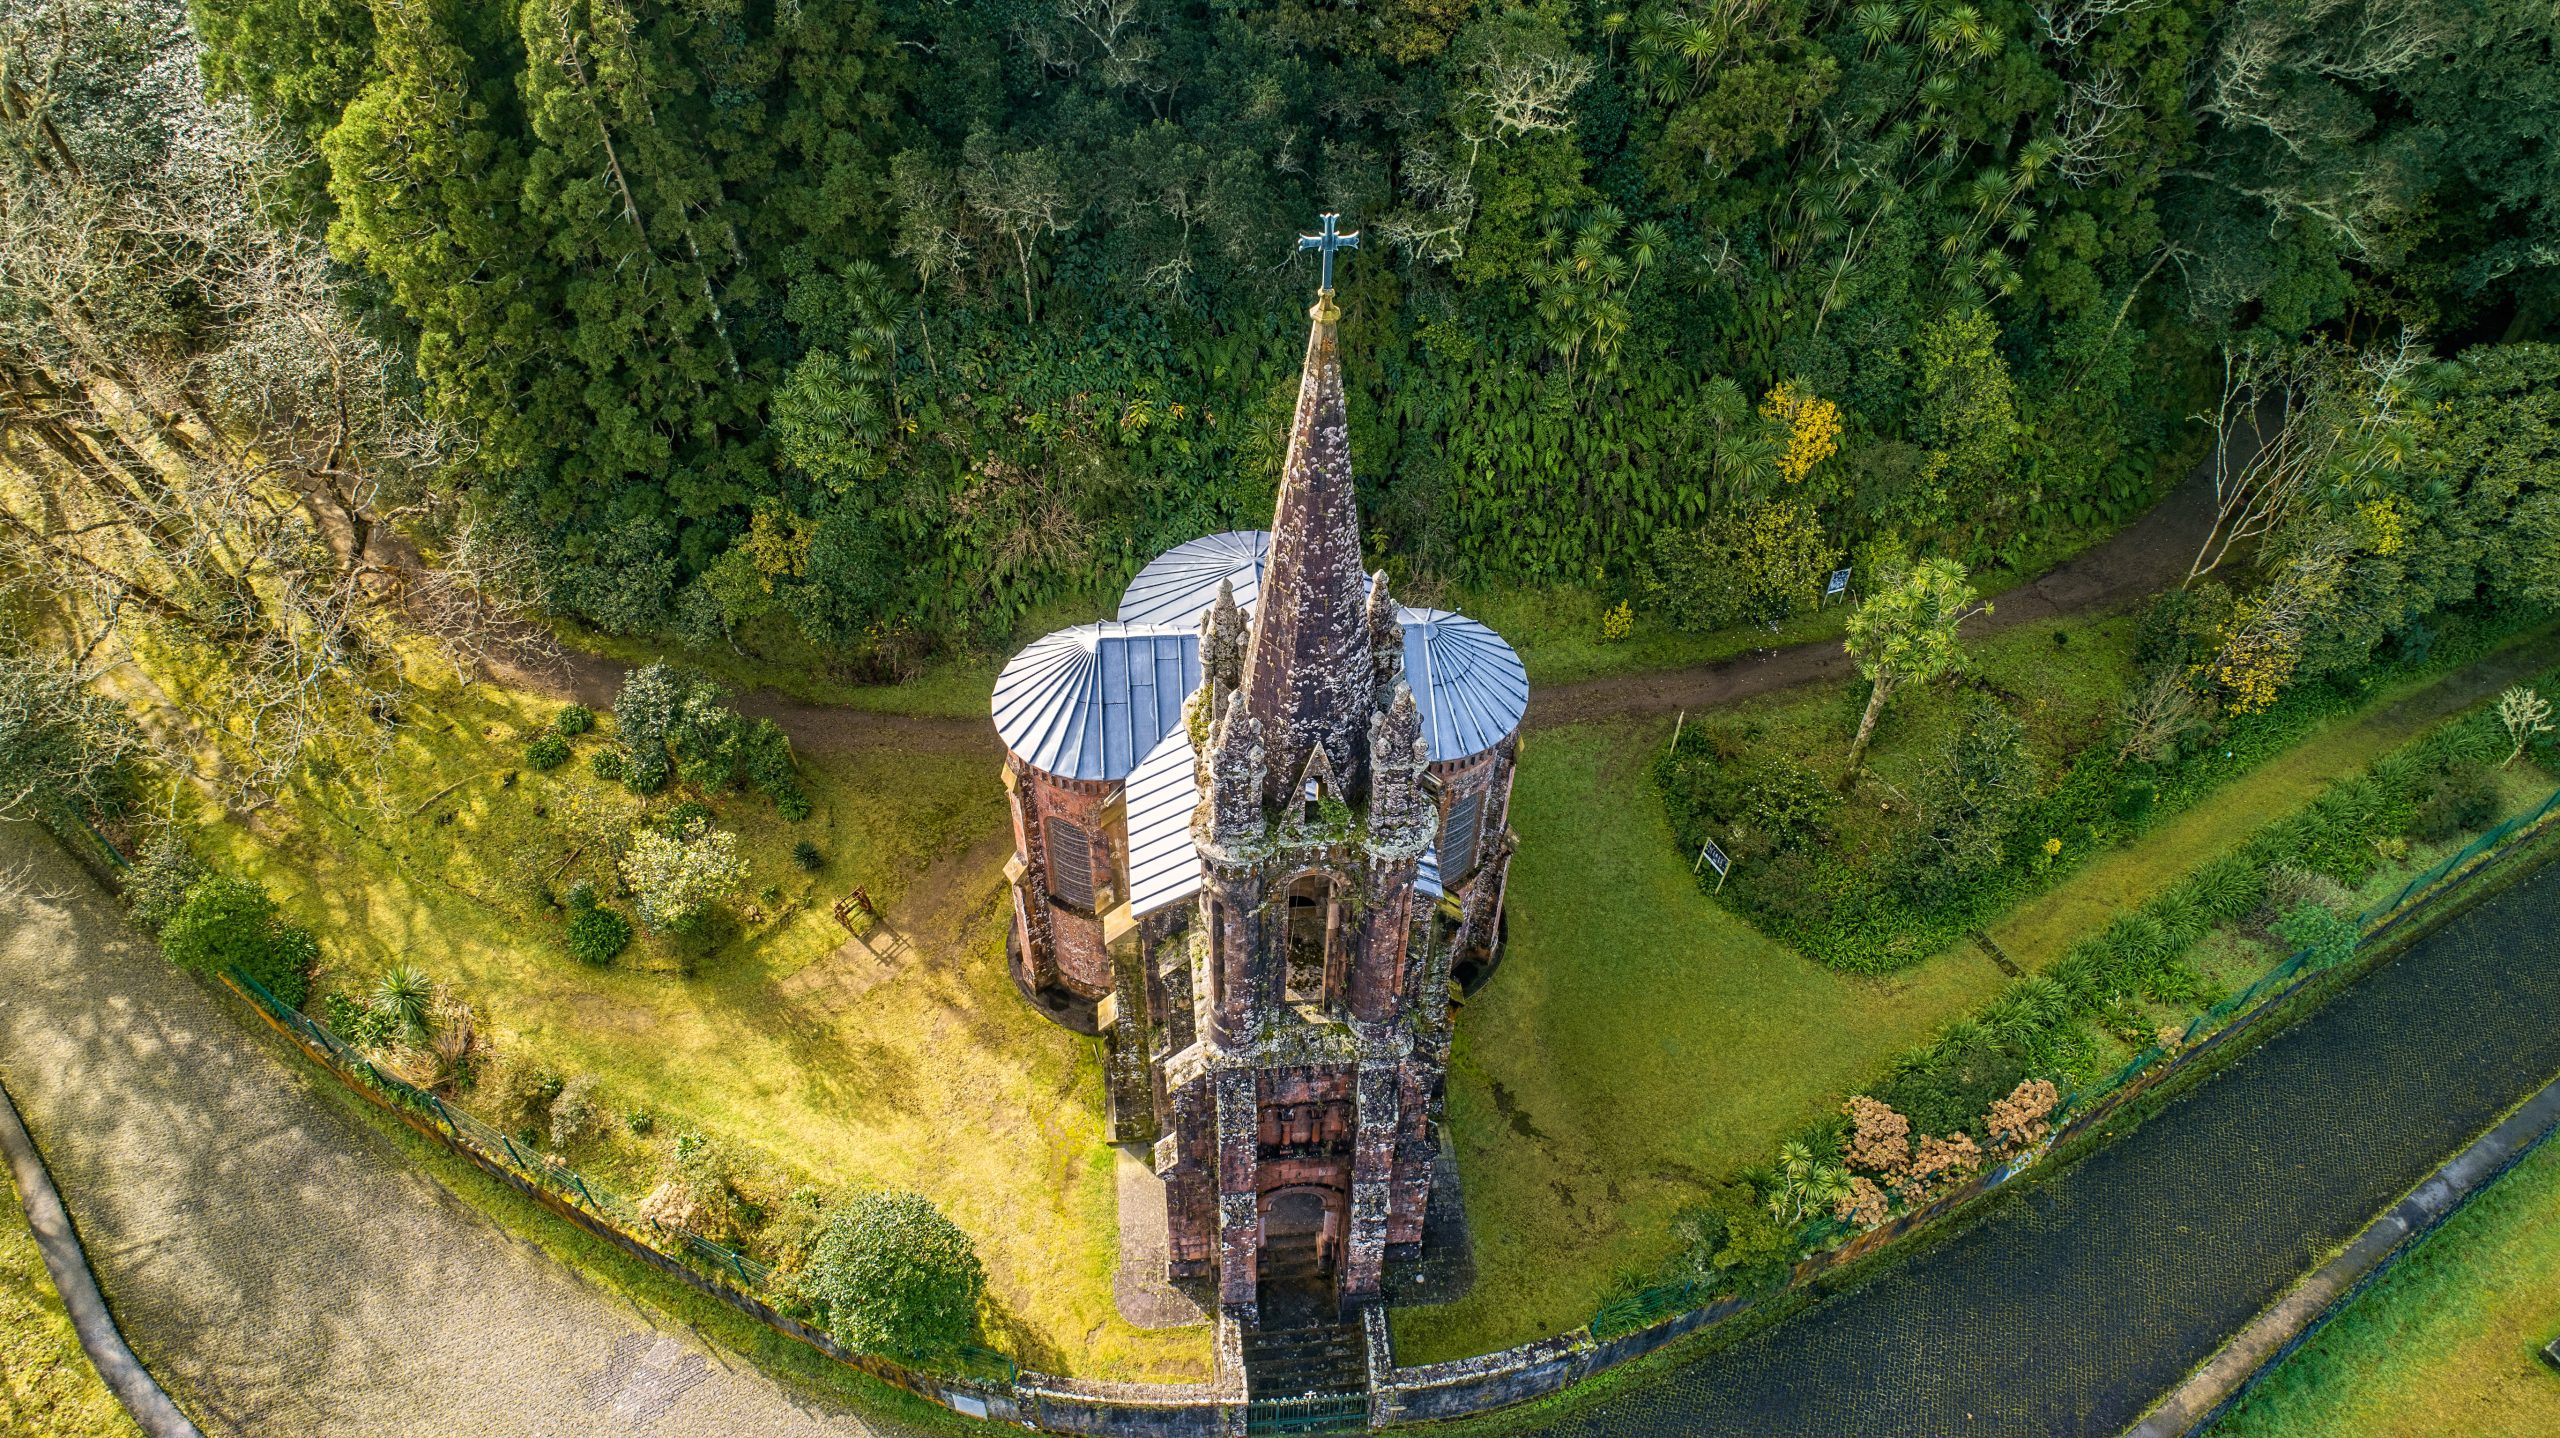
278 1265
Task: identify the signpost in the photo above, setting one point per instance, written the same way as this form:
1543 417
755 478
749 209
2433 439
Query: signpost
1838 585
1710 854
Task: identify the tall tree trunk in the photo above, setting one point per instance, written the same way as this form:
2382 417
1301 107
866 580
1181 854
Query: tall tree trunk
1866 729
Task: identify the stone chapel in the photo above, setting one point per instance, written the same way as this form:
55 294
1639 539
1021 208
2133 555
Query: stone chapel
1260 832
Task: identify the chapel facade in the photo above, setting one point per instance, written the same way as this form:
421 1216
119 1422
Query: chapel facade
1260 827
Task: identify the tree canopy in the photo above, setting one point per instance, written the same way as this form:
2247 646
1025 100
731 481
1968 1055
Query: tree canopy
866 324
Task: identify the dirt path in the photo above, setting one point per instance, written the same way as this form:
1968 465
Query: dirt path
278 1265
2144 557
593 680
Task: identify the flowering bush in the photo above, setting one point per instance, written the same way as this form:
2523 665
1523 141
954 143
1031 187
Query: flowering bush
674 880
2019 1122
1812 428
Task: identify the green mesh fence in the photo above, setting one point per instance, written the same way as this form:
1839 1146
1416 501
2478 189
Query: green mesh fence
495 1147
1649 1306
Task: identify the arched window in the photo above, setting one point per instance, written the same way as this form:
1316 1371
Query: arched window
1308 937
1459 833
1070 863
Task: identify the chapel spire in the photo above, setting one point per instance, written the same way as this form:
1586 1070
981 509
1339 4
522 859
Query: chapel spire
1307 669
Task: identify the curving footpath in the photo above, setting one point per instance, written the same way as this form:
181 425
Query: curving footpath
278 1265
2073 1308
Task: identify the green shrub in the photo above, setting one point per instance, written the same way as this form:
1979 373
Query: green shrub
2463 801
227 922
357 1023
806 855
573 721
581 895
1756 1249
792 807
682 821
608 765
159 880
597 935
2328 937
646 774
891 1275
2225 889
520 1094
546 753
640 1121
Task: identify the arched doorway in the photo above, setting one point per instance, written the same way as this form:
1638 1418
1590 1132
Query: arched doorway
1301 1249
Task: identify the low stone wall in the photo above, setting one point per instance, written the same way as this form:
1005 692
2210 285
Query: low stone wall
1215 1409
1464 1386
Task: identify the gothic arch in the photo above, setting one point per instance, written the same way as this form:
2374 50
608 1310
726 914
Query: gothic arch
1311 918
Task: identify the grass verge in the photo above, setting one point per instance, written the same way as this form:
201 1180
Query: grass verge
48 1388
2446 1342
790 1361
1540 1416
1638 1045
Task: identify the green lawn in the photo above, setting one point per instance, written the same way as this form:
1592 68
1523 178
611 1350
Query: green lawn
2042 929
1641 1044
908 1061
1638 1044
2443 1344
47 1387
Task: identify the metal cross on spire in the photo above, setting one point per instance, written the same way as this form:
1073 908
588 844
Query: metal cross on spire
1326 241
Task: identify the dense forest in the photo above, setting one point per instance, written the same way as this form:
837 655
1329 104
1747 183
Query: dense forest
865 325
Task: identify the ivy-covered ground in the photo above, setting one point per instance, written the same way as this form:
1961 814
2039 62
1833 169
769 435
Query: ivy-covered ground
48 1389
1642 1046
2448 1342
906 1058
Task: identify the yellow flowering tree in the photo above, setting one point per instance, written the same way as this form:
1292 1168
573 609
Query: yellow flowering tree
2260 647
1812 426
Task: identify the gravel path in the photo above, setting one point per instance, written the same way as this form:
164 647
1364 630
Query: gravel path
2068 1312
281 1267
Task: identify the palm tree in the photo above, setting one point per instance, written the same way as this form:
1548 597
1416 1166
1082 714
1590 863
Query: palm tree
402 996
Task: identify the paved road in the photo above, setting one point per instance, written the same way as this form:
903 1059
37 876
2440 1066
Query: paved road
2071 1311
278 1265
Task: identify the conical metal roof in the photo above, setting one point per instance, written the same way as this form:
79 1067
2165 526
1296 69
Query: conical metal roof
1089 702
1471 688
1179 585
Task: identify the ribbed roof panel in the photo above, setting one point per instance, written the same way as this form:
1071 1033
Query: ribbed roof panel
1089 702
1471 688
1164 865
1179 585
1092 701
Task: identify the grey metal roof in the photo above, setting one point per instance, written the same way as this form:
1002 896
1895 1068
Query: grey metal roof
1179 585
1088 702
1472 690
1164 865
